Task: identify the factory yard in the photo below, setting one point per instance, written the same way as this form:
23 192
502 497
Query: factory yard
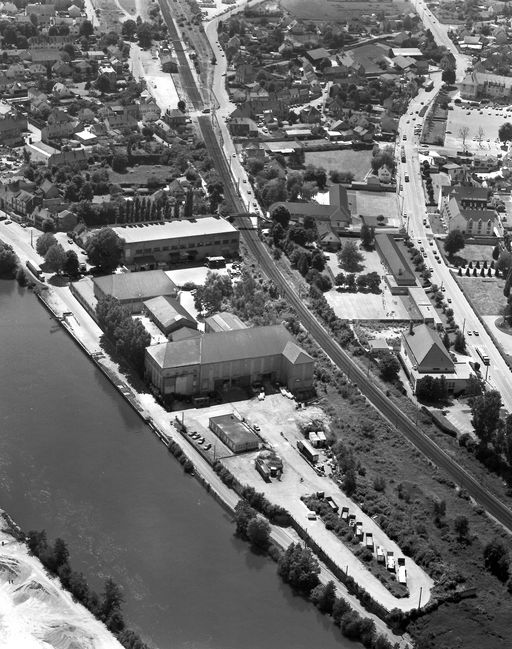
278 419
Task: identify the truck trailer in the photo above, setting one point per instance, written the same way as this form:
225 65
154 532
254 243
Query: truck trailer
308 451
369 540
390 562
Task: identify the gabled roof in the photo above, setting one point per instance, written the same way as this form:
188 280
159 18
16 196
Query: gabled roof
167 311
131 286
426 346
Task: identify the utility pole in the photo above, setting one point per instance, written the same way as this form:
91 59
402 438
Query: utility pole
419 601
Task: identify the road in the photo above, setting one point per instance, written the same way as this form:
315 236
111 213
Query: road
499 375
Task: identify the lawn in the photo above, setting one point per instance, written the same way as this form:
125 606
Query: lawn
475 252
358 162
341 11
139 175
486 293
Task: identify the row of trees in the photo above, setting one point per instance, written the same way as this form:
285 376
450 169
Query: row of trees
106 607
8 261
129 336
367 282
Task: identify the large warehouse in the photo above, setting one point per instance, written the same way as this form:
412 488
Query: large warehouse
217 361
132 289
235 434
161 245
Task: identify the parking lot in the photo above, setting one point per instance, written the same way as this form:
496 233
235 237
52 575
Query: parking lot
486 117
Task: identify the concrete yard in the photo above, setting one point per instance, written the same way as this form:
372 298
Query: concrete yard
367 306
277 418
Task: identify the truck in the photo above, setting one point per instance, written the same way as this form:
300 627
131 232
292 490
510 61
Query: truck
483 356
322 441
262 469
402 154
351 520
369 540
332 504
428 85
380 555
313 439
344 514
35 270
390 562
359 531
308 451
402 575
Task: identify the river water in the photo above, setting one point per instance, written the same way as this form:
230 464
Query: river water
77 461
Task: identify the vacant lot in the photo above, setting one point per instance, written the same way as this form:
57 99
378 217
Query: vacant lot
477 253
486 293
341 11
111 15
358 162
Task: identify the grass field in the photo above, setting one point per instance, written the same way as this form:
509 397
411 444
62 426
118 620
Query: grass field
341 11
356 161
486 293
139 175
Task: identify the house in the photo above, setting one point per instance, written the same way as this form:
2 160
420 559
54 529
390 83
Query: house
318 56
149 110
48 189
219 361
310 115
168 314
44 55
74 11
243 127
73 157
423 354
385 174
336 214
174 117
133 289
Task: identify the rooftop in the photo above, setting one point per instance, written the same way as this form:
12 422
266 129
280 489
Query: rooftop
174 229
227 346
167 310
224 321
422 340
394 258
141 285
236 430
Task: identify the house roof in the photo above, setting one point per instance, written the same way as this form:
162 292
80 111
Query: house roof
467 192
423 342
228 346
318 54
224 321
130 286
167 311
478 215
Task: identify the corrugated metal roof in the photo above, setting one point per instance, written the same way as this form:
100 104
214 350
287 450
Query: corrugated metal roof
142 285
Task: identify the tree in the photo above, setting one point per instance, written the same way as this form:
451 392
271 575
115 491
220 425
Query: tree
389 367
244 513
45 242
299 568
105 249
486 415
431 389
258 533
505 132
129 29
86 28
215 290
71 266
182 106
8 260
55 258
454 242
350 258
339 280
349 482
350 281
112 598
48 225
496 559
324 597
448 76
461 527
145 35
463 134
460 343
119 163
367 236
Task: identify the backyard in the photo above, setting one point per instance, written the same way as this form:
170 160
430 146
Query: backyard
358 162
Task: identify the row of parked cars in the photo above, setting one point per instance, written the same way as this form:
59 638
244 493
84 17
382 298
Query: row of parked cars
199 440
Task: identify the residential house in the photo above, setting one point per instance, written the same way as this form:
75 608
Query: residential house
175 118
336 214
310 115
45 55
11 130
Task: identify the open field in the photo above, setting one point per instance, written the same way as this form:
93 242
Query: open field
489 119
486 293
474 252
358 162
341 11
111 15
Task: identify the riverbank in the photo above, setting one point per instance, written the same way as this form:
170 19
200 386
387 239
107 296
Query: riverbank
35 610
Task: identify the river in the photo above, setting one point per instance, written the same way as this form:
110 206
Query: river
77 461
